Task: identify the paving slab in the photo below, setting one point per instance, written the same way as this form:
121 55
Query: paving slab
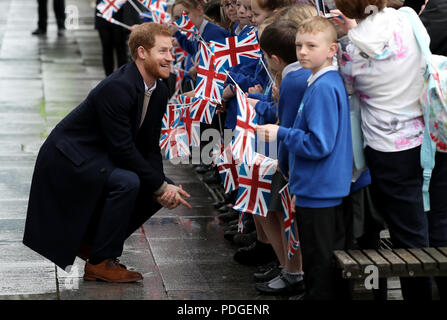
21 92
181 253
24 272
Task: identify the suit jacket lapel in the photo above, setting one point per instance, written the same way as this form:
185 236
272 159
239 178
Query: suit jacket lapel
139 84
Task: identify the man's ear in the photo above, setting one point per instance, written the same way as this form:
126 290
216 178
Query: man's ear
141 52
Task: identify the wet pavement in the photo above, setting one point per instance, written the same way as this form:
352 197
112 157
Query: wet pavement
181 253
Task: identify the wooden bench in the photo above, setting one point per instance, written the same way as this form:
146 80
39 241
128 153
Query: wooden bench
392 262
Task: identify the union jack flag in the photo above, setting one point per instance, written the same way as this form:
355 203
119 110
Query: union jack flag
186 25
171 120
231 51
192 127
108 7
209 83
179 75
181 99
244 133
217 150
180 55
289 223
203 110
159 5
228 170
160 17
255 182
177 146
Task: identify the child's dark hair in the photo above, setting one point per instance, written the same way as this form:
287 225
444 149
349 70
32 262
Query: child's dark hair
278 39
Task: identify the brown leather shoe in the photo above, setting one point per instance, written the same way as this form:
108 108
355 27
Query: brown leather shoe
110 270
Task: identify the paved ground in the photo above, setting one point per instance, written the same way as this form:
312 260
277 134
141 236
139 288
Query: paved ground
181 253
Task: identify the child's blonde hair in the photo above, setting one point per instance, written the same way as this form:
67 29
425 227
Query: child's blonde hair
319 24
299 13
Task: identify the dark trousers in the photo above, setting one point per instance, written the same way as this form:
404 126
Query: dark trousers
321 231
397 190
122 190
113 40
59 12
127 206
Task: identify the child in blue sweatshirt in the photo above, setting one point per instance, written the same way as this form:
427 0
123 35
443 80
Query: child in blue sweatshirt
320 146
207 30
278 44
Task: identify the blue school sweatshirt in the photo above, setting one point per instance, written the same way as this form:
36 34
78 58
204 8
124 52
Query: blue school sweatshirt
363 181
320 143
291 91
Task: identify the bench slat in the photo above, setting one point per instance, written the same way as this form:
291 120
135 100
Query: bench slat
360 258
440 259
413 264
427 262
350 266
383 265
443 250
397 264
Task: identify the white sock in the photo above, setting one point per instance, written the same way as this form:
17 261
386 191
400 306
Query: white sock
293 277
276 283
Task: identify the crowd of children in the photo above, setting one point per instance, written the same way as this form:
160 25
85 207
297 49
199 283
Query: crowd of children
299 89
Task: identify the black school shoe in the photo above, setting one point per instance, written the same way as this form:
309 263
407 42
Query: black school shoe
212 177
256 254
229 216
223 209
291 288
202 168
245 239
267 272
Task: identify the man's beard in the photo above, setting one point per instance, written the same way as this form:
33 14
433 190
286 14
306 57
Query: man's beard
153 68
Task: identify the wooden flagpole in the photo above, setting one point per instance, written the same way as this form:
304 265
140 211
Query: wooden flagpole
111 20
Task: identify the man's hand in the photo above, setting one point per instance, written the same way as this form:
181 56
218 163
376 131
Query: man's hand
267 132
167 200
172 197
